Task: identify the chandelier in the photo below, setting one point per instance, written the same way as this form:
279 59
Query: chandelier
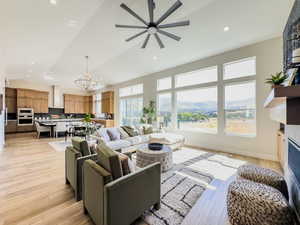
87 82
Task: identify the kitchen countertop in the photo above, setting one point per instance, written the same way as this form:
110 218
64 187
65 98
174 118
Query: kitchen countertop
59 120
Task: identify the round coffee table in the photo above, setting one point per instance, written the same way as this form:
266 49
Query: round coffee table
145 157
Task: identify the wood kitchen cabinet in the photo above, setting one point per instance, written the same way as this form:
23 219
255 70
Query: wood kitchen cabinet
78 104
107 102
38 100
11 100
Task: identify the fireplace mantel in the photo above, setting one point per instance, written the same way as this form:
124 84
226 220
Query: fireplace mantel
284 105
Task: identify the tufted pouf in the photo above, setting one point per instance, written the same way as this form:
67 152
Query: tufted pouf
250 203
264 176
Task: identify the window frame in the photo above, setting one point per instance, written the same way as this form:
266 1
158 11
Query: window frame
237 82
165 89
238 61
195 71
132 94
197 87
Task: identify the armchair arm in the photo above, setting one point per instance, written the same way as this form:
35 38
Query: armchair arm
71 156
141 188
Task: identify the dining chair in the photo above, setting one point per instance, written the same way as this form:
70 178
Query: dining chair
41 129
60 127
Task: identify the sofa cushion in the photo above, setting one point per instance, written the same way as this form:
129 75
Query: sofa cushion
138 139
107 177
119 144
147 130
102 132
166 138
81 145
130 131
109 160
113 133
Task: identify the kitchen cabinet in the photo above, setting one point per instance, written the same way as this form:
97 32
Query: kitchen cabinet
105 123
38 100
11 100
78 104
107 102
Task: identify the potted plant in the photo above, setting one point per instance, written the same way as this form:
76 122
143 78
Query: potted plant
149 113
277 80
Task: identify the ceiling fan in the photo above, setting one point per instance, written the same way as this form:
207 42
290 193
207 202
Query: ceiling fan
154 27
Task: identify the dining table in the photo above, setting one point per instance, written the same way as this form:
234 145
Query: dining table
50 124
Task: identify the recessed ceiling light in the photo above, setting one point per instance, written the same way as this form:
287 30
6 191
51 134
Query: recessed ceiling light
53 2
154 57
226 29
32 63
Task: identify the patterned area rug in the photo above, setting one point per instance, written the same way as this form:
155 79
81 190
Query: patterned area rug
182 186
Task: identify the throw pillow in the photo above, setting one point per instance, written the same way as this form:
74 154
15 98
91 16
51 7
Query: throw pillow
130 131
123 133
109 160
102 132
81 145
148 130
114 134
124 159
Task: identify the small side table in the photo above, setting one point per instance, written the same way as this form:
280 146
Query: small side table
145 157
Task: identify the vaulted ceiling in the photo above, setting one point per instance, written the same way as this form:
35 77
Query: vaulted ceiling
47 42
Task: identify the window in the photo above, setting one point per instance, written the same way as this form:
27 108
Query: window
164 84
242 68
131 110
197 110
97 104
240 109
197 77
164 110
131 90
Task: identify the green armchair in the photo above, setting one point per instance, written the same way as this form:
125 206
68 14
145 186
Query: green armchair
75 156
122 200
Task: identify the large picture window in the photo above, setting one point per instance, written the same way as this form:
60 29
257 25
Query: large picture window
240 108
131 111
197 109
164 109
131 90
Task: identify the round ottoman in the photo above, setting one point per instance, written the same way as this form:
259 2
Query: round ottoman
264 176
145 157
250 203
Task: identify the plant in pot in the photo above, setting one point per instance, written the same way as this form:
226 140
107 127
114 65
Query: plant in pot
277 79
149 113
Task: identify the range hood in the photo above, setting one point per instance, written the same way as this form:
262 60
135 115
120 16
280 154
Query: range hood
57 97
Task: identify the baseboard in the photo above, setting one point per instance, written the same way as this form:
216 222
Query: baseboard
242 153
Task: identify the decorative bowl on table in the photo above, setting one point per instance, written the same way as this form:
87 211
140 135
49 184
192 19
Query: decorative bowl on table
155 146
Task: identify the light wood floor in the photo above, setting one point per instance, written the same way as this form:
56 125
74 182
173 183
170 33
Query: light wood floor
32 184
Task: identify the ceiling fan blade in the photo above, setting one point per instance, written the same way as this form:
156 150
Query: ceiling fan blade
178 24
125 7
136 35
151 10
130 26
161 45
173 36
146 41
173 8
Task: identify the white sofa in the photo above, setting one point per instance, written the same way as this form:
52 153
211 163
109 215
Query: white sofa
174 141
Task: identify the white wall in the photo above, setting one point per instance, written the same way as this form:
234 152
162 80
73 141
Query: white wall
42 87
269 60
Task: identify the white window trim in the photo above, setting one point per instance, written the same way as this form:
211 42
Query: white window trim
238 61
237 82
194 71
